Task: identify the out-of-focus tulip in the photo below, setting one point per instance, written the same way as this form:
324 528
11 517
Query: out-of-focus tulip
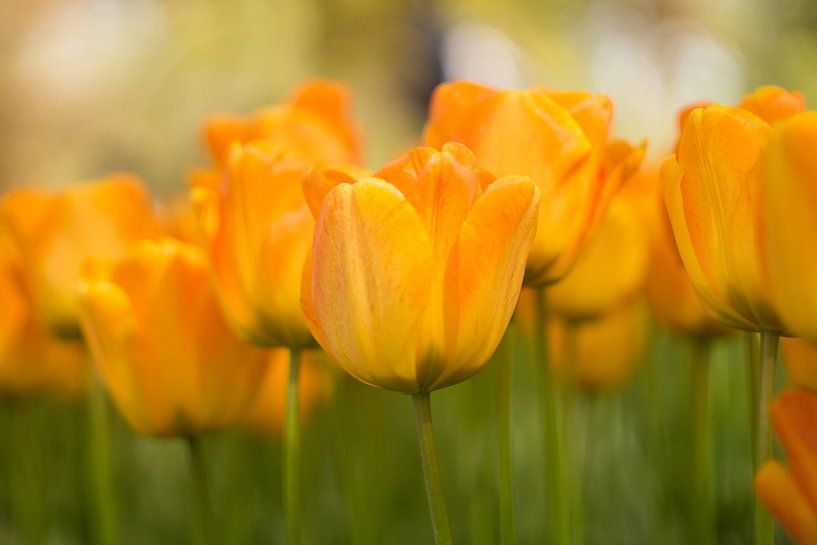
800 357
560 140
31 361
788 171
57 230
315 384
165 353
611 270
711 193
773 104
607 349
791 495
314 124
415 272
258 230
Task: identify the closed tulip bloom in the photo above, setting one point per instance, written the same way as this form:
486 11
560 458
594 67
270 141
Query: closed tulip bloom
267 414
791 494
608 349
158 338
560 140
415 272
57 230
789 216
31 361
315 124
258 231
711 192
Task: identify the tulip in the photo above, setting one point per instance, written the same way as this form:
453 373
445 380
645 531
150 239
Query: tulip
414 274
31 361
791 495
800 358
560 140
57 230
314 124
163 349
788 172
268 412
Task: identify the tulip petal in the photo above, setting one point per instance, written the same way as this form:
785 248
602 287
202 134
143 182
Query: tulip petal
779 492
369 283
774 104
794 415
450 108
317 184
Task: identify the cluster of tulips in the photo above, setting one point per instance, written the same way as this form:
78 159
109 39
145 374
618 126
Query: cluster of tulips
208 311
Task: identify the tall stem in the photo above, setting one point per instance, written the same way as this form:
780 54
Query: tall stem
100 468
292 455
764 524
702 505
506 486
203 518
431 469
26 479
570 472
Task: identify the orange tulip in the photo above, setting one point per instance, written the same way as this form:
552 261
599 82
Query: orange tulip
791 495
55 231
608 349
314 124
560 140
157 335
800 357
31 361
788 172
415 272
268 413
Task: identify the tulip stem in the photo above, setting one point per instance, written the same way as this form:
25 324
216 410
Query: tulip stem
769 340
26 484
507 523
702 504
99 468
292 455
203 518
431 469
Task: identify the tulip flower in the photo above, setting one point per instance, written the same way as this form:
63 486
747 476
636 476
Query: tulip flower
161 344
57 230
31 361
791 494
560 140
414 274
800 358
314 124
788 172
267 413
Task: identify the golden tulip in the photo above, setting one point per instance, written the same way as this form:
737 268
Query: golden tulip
57 230
415 272
31 361
607 349
788 173
314 124
258 231
267 414
791 495
558 139
163 349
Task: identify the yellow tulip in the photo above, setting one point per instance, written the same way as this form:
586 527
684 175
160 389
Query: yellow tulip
31 361
258 231
57 230
415 272
608 349
791 495
268 412
788 171
314 124
558 139
163 349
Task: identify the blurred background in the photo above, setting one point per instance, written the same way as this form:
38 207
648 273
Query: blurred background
90 86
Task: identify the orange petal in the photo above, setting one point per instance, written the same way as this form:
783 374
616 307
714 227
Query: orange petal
794 415
779 492
774 104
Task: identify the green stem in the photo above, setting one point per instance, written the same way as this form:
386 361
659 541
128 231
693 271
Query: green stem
25 477
753 352
292 455
764 524
431 469
100 468
702 504
203 519
570 458
506 486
